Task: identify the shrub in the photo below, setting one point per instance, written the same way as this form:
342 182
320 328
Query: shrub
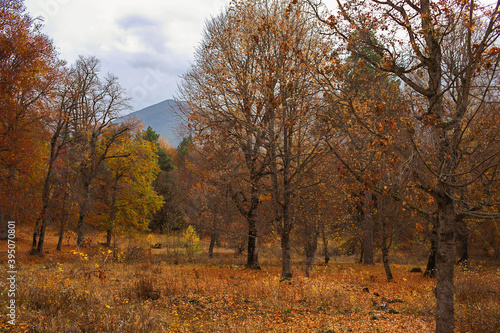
191 241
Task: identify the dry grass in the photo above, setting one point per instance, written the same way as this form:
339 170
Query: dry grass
88 292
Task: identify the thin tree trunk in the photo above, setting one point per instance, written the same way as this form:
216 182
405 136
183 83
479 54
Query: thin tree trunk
213 235
34 241
311 247
41 237
430 270
80 234
362 252
61 232
325 243
368 256
463 242
109 236
385 250
54 148
212 244
83 216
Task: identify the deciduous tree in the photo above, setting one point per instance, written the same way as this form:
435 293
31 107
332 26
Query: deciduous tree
449 155
29 71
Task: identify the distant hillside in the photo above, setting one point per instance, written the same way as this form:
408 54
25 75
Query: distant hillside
162 117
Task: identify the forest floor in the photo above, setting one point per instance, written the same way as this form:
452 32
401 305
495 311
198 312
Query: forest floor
164 290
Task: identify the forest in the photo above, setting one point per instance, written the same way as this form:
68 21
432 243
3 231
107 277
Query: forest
339 172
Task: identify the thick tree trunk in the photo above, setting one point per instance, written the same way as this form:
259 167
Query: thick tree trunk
368 256
252 244
252 247
286 259
446 255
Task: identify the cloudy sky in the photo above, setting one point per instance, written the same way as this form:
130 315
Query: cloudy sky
146 43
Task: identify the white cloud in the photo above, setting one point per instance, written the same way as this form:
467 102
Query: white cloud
147 43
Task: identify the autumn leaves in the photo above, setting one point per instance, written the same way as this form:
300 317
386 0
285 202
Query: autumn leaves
395 95
63 155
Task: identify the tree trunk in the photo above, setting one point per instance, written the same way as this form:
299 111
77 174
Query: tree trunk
463 242
213 236
311 247
47 187
80 234
446 255
430 271
362 252
35 238
61 231
212 244
41 236
385 251
252 246
325 243
286 259
368 256
109 236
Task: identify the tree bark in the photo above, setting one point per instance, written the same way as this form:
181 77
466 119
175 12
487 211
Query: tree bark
445 261
286 259
252 245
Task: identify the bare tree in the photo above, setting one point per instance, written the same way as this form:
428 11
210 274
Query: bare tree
94 104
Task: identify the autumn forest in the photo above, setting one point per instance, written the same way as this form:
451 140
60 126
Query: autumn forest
339 172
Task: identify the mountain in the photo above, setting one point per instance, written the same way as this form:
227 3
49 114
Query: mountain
163 118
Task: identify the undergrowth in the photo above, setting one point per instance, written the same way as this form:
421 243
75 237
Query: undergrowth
89 291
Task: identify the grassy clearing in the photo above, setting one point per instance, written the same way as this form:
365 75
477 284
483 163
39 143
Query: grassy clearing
86 291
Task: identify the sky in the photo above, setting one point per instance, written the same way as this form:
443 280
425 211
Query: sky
147 44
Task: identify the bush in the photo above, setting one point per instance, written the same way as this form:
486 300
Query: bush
191 241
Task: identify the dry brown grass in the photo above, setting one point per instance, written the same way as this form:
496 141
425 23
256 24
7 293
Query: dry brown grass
86 291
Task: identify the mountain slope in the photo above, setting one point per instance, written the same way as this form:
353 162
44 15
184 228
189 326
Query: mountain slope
162 117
